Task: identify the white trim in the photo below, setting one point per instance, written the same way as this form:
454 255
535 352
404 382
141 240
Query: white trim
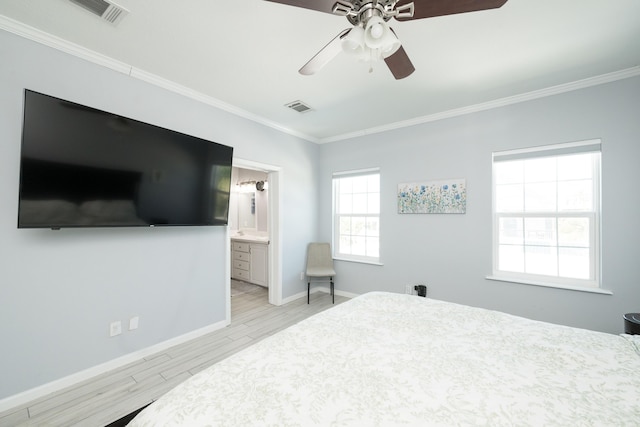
55 42
575 147
357 172
274 207
276 179
336 291
502 102
76 378
294 297
78 51
214 102
52 41
336 178
550 285
594 216
361 261
227 276
315 289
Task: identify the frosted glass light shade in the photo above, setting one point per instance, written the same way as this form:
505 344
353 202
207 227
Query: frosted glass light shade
373 42
378 36
353 42
392 45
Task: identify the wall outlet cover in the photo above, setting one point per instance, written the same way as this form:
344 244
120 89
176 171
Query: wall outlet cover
115 328
133 323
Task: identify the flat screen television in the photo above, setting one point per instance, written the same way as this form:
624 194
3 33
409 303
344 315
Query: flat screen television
83 167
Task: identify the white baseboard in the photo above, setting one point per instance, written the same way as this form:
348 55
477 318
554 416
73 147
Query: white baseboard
295 297
59 384
342 293
315 289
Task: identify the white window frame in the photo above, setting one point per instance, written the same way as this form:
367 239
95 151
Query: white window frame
593 284
337 251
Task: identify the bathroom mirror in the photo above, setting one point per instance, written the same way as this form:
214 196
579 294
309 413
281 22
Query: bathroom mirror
247 210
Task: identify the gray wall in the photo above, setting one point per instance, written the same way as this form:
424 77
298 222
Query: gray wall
59 290
452 253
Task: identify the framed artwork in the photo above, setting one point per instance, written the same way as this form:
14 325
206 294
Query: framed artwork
433 197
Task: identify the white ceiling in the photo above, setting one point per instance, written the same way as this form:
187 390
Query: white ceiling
244 55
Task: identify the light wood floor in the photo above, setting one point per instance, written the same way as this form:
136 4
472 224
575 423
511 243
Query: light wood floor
109 397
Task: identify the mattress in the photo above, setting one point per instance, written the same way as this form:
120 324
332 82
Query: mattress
390 359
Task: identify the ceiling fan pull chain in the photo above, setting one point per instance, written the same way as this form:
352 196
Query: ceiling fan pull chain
371 38
370 61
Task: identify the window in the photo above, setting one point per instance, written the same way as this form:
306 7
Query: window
546 215
356 219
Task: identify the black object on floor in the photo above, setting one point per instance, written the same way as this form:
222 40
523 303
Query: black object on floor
422 290
632 323
122 422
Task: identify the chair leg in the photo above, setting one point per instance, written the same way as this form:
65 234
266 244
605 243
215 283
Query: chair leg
308 291
333 293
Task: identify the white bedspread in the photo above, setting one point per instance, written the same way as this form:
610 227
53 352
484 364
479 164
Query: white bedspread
390 359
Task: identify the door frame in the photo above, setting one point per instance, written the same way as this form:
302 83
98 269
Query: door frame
274 179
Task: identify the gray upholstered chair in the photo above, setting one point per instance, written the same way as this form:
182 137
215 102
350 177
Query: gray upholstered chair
319 266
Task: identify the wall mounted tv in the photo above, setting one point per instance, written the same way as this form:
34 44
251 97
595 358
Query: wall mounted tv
83 167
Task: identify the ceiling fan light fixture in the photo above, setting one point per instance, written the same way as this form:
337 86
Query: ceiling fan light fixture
353 43
391 46
379 38
378 35
375 31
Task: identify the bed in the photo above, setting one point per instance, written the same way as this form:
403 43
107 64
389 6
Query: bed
390 359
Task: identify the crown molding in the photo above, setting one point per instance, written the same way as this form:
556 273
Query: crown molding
39 36
58 43
214 102
510 100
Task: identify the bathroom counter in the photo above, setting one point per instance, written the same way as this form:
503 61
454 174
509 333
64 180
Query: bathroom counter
248 238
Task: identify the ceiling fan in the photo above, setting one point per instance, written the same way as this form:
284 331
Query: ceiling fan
371 38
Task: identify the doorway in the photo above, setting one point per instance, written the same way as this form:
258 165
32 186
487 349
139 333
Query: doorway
274 254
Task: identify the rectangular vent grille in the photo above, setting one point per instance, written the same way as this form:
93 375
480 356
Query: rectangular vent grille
105 9
299 106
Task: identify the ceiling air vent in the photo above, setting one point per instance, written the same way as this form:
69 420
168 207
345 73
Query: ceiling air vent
299 106
105 9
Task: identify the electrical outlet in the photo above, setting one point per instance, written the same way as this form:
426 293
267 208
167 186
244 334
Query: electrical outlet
302 275
133 323
408 289
115 328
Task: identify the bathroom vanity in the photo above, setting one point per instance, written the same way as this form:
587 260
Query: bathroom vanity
250 259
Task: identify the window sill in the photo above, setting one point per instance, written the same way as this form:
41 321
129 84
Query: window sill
551 285
360 261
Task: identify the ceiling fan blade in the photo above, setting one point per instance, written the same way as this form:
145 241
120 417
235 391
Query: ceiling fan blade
319 5
431 8
326 54
399 64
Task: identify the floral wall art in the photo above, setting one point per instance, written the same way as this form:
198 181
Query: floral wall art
445 197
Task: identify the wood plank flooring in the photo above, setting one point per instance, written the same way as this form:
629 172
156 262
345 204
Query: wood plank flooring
110 396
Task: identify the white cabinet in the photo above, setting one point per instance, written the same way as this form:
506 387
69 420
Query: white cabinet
249 262
240 261
258 270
